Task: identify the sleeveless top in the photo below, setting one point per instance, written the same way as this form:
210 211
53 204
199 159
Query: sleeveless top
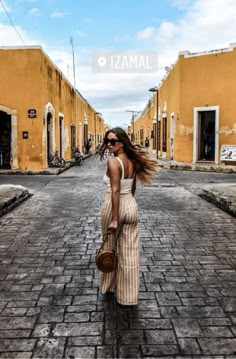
125 183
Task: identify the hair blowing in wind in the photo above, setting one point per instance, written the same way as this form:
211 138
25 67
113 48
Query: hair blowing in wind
145 166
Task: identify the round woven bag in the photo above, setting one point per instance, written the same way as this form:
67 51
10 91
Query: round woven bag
106 260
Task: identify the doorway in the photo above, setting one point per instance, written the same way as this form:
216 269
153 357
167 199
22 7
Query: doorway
206 125
73 139
61 118
172 135
5 140
206 135
49 130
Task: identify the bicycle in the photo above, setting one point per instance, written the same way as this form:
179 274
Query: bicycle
56 161
77 157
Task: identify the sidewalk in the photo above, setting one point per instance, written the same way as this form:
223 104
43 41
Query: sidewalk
203 166
223 196
47 171
12 195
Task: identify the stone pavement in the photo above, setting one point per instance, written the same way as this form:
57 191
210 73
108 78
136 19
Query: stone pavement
223 196
49 301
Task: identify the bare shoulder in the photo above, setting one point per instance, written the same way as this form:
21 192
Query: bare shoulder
112 163
113 166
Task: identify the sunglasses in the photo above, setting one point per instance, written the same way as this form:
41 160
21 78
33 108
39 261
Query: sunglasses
112 141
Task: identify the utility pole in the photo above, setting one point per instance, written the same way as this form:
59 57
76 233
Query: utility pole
75 101
157 129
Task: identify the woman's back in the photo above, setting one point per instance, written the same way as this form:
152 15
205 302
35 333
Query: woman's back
128 166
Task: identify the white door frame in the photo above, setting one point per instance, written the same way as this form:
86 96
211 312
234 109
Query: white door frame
172 134
196 111
80 136
49 109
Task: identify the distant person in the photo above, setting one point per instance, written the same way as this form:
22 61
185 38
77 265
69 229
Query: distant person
147 142
88 145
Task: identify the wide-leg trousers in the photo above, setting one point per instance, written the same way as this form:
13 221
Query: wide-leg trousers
125 280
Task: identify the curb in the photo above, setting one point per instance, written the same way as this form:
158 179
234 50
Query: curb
200 168
14 199
47 171
226 203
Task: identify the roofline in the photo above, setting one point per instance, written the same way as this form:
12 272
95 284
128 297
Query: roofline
39 47
210 52
188 54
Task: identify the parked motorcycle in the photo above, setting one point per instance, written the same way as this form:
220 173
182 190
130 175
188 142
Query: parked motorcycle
77 157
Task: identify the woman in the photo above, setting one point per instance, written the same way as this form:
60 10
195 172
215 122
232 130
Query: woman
120 212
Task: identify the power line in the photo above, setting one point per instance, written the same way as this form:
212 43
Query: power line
11 21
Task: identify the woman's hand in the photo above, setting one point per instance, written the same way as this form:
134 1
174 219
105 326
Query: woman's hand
112 227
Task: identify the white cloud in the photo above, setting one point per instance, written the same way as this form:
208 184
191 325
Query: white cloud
10 37
57 14
110 94
35 12
145 34
206 25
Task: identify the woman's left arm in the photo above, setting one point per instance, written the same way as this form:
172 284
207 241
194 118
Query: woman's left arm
114 174
134 185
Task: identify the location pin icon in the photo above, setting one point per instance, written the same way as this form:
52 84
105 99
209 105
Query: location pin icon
102 61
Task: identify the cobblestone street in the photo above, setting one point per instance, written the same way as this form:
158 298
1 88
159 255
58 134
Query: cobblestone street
49 301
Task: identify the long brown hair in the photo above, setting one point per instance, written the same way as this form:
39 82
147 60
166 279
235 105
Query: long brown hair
145 166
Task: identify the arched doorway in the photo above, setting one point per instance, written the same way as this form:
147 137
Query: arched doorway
5 140
49 131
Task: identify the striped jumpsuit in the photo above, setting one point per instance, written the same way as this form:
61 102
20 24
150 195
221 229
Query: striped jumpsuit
125 280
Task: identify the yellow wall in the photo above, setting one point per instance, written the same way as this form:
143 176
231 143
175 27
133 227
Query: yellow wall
197 81
29 79
168 99
208 80
21 89
143 124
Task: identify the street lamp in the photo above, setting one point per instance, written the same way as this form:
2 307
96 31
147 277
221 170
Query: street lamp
95 127
156 133
134 113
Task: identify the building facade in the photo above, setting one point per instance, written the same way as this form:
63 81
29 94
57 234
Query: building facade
40 111
196 105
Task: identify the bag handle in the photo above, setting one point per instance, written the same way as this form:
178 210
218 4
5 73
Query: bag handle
106 239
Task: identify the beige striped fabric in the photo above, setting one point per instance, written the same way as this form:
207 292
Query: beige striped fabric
125 280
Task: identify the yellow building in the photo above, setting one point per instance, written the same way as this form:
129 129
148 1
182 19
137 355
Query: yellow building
196 105
40 111
142 126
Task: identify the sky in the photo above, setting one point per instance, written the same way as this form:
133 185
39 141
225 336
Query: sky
79 36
